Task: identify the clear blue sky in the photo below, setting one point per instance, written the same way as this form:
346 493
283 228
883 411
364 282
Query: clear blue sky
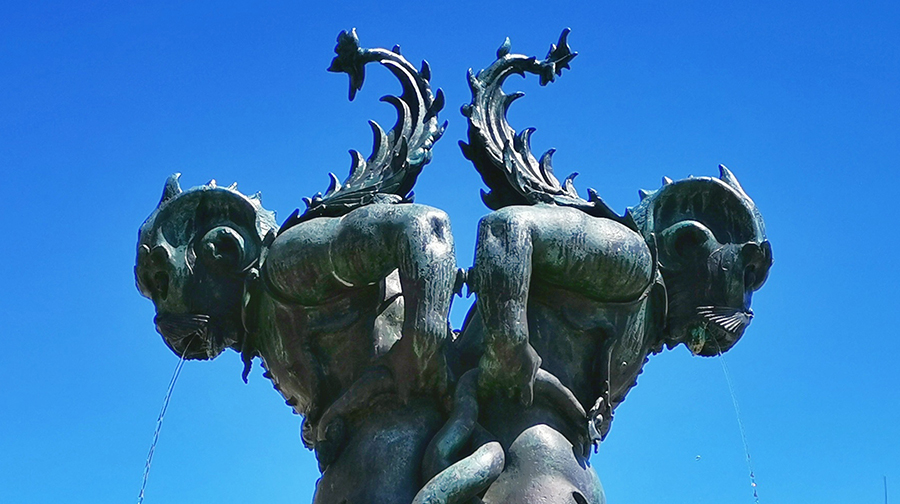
100 101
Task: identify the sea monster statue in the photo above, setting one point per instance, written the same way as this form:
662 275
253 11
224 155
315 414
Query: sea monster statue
572 298
346 303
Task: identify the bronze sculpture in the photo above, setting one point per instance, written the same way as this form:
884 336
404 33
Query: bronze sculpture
347 303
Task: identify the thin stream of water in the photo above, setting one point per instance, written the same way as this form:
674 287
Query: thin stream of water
737 413
159 421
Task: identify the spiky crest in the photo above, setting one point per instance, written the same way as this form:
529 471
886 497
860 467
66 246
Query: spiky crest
719 203
266 224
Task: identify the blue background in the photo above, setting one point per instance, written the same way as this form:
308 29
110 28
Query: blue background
100 101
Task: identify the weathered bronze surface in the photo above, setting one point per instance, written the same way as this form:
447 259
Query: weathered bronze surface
347 302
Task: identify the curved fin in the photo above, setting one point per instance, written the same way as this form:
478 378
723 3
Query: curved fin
398 156
502 156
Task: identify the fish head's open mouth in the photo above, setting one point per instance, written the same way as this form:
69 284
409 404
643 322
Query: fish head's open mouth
188 335
717 329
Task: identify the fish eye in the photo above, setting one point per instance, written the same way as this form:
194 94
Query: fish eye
221 248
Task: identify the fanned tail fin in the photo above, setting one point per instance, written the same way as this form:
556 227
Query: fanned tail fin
502 156
398 156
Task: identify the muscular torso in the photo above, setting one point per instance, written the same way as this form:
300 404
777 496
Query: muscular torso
597 349
314 353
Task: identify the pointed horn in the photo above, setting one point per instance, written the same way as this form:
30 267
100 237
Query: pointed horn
666 181
211 183
171 189
726 176
233 186
643 194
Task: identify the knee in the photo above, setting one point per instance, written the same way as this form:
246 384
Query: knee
505 225
500 221
428 229
437 225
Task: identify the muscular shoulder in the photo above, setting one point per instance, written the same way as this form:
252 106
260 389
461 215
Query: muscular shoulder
536 217
387 214
297 258
545 221
531 212
301 238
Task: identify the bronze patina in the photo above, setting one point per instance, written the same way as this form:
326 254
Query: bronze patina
346 303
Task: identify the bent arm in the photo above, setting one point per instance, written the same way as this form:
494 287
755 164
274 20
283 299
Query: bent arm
415 240
594 257
320 259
